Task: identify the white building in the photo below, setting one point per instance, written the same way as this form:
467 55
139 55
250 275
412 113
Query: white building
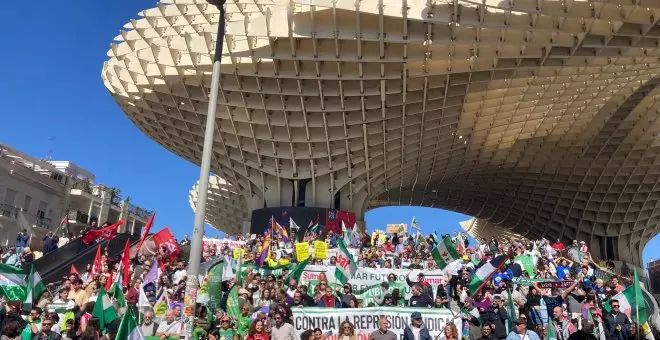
36 195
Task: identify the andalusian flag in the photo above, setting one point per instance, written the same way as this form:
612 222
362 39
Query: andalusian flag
484 272
444 253
631 303
128 328
415 225
346 233
550 334
12 283
233 309
118 294
103 309
346 266
35 288
297 271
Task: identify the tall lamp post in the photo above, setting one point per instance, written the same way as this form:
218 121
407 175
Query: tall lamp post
192 282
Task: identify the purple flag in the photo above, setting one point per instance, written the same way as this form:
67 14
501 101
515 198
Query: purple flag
152 274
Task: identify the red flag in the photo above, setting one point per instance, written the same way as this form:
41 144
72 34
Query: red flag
74 270
96 266
106 233
165 240
145 230
125 264
112 279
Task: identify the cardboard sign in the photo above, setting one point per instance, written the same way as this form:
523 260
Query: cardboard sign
320 250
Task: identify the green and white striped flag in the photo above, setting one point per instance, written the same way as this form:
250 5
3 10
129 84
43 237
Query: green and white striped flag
346 266
35 288
12 283
128 327
444 253
103 309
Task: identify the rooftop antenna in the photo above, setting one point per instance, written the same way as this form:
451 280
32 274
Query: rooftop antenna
49 155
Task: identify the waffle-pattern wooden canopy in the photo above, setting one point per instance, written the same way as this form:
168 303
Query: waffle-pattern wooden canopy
540 116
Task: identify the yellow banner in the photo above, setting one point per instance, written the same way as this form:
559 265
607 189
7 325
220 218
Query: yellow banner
302 251
320 250
238 253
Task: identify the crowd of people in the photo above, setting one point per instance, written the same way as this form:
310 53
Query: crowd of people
535 289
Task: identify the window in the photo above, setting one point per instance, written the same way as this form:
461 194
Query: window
10 196
26 203
43 207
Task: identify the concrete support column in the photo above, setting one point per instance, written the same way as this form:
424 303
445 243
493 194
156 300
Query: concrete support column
89 213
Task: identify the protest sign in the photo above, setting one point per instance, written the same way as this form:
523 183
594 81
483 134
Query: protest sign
320 250
365 320
238 252
333 252
370 294
398 228
302 251
367 277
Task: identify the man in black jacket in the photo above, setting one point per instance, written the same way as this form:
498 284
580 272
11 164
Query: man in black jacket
496 318
616 323
586 333
425 286
419 299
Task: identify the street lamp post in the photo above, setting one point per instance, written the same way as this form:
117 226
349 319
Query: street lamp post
192 282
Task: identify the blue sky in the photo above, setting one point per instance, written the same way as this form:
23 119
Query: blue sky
51 87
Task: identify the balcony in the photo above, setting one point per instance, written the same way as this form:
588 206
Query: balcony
8 210
81 217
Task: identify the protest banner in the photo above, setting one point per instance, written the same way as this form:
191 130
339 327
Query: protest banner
365 320
320 250
263 271
371 293
220 245
398 228
367 277
302 251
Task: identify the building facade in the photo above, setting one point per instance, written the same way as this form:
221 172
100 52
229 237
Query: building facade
541 120
37 195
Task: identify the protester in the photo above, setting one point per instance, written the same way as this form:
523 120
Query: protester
536 286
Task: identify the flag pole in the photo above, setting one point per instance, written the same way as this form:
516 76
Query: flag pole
635 284
192 282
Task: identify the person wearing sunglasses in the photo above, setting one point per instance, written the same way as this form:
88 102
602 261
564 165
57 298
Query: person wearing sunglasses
617 324
46 331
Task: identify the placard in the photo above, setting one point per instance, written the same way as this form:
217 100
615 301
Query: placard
302 251
320 250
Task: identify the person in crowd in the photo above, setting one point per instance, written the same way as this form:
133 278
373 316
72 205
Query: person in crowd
495 318
419 299
329 300
11 331
22 239
520 331
11 257
258 331
78 294
226 330
586 333
416 330
46 332
451 332
562 327
282 329
617 324
383 332
28 256
487 333
169 327
149 327
346 331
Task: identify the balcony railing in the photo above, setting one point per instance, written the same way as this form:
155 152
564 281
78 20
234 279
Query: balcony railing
8 210
44 222
134 209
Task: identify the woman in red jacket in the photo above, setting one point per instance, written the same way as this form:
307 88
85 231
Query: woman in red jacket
258 331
